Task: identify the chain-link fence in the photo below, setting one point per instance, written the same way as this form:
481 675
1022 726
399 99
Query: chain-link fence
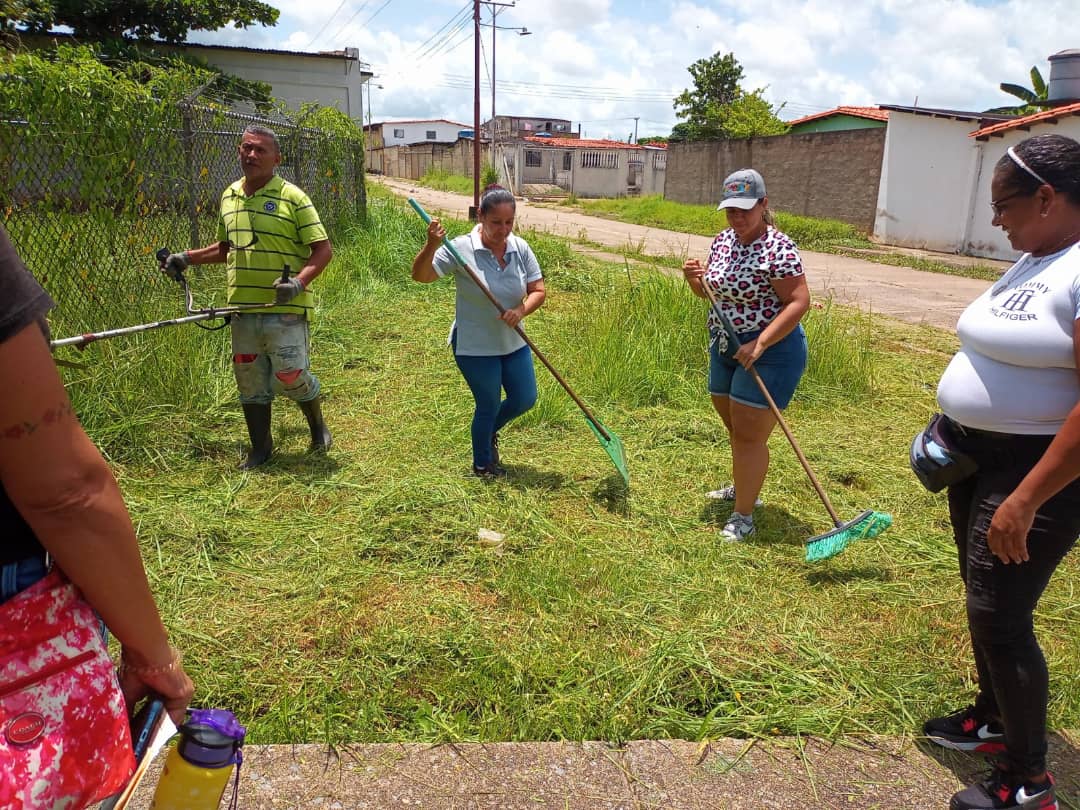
88 200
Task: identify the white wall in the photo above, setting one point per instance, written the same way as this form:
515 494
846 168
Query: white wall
295 79
928 173
415 131
983 238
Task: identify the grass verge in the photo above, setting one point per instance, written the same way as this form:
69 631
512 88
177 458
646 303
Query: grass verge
809 233
346 598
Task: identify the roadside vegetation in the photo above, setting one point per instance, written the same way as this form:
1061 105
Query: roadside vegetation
347 598
809 233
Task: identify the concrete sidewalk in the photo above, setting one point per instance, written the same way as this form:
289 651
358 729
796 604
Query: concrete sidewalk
914 296
863 773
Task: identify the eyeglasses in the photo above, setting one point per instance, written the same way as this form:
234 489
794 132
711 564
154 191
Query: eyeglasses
995 205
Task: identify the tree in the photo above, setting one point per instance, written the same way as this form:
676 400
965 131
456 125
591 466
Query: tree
719 107
168 20
716 84
750 115
659 140
1034 99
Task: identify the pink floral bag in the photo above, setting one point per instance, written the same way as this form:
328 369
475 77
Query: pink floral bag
64 736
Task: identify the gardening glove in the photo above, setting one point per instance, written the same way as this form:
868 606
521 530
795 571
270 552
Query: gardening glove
286 291
175 264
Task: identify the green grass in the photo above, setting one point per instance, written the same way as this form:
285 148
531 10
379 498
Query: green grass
441 180
809 233
346 598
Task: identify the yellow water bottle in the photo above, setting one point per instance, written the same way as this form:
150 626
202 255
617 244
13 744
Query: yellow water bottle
197 769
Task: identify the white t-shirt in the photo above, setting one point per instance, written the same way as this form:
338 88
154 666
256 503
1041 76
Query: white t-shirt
1016 368
479 329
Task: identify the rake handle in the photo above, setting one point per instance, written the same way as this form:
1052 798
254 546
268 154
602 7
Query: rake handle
483 288
729 328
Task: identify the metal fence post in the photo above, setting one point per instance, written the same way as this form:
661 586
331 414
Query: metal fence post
188 139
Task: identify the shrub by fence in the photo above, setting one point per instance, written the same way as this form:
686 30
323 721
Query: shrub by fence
102 165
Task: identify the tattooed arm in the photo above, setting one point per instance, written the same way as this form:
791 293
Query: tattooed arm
66 493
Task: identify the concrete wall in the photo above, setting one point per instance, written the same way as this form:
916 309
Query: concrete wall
295 79
413 162
981 237
927 177
821 174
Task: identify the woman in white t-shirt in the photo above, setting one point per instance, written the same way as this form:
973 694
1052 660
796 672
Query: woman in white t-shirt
1011 394
490 354
756 274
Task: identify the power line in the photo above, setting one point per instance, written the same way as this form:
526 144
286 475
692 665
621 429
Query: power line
464 10
376 14
327 23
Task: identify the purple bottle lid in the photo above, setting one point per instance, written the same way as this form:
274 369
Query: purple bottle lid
211 738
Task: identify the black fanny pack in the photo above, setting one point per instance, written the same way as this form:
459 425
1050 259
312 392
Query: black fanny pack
935 456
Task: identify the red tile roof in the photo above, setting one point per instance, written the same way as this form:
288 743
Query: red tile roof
584 143
873 113
1024 122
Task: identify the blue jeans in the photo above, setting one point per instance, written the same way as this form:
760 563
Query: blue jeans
270 356
487 376
780 366
20 575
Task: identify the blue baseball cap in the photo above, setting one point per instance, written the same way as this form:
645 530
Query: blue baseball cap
742 189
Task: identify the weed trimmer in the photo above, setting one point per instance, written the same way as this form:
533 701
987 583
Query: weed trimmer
830 543
194 315
608 440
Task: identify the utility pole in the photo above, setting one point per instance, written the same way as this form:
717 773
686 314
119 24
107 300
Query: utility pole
474 209
635 128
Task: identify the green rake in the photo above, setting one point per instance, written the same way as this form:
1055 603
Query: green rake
608 440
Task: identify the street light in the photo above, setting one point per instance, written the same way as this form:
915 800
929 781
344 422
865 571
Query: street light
371 88
521 32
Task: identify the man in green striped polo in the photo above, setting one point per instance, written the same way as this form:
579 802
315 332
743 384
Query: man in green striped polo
266 226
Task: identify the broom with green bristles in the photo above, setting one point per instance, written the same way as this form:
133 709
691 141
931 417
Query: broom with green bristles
830 543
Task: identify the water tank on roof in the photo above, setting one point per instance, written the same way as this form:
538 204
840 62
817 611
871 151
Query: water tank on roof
1064 83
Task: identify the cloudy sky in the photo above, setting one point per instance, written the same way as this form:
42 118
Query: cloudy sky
604 62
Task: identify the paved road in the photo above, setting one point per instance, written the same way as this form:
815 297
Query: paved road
900 292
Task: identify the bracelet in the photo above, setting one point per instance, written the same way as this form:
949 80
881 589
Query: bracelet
159 669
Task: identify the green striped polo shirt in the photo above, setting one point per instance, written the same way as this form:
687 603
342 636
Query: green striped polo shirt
284 224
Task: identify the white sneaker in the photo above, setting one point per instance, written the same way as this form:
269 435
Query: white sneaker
727 494
737 528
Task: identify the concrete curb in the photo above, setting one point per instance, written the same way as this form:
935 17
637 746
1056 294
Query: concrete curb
866 772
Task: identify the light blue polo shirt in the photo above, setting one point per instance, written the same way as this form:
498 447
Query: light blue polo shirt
479 330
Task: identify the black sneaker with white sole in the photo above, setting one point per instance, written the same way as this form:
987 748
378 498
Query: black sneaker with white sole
1000 791
966 730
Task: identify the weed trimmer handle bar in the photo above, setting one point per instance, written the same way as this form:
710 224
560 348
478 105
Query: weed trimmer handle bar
729 329
483 287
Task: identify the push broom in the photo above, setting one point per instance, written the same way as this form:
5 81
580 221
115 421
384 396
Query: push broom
832 542
608 440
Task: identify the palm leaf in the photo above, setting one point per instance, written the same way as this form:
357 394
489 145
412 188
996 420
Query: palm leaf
1021 93
1037 83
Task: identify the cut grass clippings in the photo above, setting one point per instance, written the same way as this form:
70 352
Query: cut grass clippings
347 598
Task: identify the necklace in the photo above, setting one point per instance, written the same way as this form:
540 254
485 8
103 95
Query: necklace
1069 240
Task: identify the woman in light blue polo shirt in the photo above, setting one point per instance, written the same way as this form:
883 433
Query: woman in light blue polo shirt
489 352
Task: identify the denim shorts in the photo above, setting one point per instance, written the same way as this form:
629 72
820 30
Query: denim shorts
270 356
781 366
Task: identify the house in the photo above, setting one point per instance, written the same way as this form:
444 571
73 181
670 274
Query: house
982 238
584 167
331 78
420 130
393 147
508 127
930 171
840 118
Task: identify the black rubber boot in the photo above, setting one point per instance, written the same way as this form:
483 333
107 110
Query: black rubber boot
262 441
320 434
